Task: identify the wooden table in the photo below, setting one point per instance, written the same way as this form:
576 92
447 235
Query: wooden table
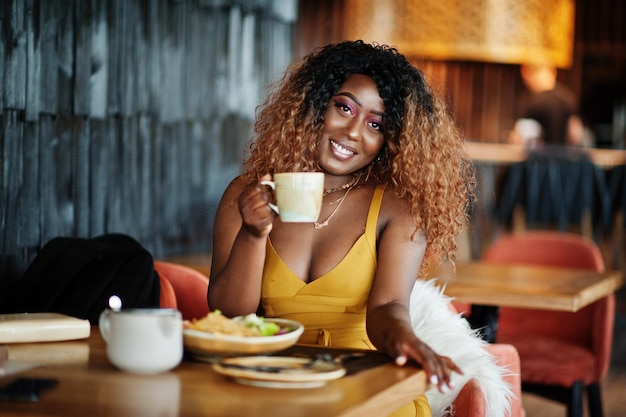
488 286
524 286
89 385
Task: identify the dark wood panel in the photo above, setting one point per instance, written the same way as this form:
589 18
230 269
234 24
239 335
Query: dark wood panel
113 116
29 232
86 11
15 53
65 39
49 46
12 167
34 64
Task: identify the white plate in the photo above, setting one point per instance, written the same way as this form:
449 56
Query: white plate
282 371
200 342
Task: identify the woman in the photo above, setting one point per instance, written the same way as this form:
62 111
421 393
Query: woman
396 190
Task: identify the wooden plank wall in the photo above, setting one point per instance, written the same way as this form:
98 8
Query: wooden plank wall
128 116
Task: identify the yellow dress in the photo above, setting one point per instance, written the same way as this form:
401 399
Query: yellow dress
333 306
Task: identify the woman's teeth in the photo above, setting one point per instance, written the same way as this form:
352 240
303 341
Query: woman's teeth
340 149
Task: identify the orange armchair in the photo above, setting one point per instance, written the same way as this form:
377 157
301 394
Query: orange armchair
561 353
185 289
167 297
470 402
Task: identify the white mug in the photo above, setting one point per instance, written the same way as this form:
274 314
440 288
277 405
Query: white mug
298 196
143 340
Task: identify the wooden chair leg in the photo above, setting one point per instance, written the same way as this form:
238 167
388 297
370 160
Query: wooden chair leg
575 404
595 400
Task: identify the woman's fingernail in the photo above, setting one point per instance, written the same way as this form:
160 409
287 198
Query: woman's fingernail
434 380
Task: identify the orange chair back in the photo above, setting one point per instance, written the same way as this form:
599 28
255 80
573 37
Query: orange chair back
190 287
546 248
167 298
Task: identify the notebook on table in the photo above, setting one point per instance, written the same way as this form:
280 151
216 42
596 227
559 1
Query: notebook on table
41 327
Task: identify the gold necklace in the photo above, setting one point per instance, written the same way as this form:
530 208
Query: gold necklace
343 187
325 222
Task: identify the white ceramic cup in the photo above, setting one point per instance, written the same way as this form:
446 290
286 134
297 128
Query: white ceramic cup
143 340
298 196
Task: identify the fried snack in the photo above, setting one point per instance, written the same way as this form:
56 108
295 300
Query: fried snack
217 323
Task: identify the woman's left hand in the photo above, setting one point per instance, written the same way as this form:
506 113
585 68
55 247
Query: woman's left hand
406 346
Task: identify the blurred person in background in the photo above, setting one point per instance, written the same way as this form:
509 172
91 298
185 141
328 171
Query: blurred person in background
548 113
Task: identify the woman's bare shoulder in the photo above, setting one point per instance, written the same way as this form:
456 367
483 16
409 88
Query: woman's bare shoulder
394 205
395 211
230 196
234 188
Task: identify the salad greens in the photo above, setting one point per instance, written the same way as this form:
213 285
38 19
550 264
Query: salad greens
253 321
248 325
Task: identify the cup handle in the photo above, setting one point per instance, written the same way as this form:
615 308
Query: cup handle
104 322
272 185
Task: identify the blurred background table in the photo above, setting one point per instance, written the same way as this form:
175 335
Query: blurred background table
566 188
488 286
505 153
526 286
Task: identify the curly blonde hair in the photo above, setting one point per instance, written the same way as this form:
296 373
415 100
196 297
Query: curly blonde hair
423 156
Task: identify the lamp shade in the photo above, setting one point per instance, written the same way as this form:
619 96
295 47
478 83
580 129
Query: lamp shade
503 31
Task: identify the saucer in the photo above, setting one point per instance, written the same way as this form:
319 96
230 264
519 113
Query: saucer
279 371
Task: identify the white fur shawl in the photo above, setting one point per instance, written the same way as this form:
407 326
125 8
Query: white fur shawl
450 335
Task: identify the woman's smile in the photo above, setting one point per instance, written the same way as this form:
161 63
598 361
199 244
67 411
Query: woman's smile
341 152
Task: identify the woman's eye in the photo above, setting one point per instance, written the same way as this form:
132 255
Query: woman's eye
343 107
376 125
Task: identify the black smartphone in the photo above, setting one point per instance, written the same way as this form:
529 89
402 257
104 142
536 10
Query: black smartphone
25 389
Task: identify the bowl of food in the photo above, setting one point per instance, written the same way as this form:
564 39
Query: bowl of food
218 335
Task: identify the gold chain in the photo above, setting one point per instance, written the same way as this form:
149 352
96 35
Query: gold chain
343 187
325 222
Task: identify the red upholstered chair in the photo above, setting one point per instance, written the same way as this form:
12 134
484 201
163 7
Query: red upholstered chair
189 287
561 353
470 402
167 298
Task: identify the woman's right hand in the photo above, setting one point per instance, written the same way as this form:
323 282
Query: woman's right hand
256 214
